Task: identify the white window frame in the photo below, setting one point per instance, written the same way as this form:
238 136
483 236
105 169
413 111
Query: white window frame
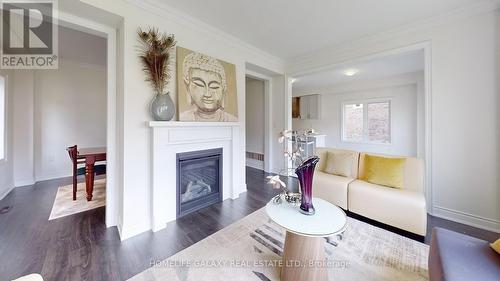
365 121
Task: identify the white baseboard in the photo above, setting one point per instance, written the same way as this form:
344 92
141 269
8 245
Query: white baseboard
465 218
110 220
132 230
236 194
120 227
7 191
255 163
24 182
50 176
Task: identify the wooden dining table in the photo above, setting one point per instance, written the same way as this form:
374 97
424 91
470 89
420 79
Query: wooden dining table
91 156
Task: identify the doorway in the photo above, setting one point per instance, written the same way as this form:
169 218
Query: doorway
255 122
112 176
258 120
70 109
396 91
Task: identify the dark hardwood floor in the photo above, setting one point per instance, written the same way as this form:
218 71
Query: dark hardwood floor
80 247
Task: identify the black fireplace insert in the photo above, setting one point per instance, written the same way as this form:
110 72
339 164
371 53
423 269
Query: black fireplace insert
199 180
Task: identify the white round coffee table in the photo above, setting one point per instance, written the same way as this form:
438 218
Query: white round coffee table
304 253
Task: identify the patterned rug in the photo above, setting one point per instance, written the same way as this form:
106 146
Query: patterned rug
251 249
65 206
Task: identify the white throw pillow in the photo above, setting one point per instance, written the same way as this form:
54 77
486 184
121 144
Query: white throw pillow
339 163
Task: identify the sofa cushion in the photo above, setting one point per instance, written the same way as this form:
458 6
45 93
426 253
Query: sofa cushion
413 172
339 163
401 208
455 256
321 152
386 171
331 188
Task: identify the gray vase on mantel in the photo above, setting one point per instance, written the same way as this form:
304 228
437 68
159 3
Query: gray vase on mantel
162 107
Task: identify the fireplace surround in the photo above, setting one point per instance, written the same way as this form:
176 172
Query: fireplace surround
199 180
168 139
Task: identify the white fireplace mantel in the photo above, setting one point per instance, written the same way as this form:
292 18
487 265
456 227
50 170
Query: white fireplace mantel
172 137
191 124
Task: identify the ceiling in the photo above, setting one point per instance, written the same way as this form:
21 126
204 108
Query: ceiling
287 28
367 70
81 47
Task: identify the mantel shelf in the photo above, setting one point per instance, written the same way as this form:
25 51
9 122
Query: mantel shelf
191 124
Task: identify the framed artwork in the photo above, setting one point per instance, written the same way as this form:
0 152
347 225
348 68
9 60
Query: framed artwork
206 88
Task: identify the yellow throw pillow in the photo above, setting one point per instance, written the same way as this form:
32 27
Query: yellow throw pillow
339 163
385 171
496 245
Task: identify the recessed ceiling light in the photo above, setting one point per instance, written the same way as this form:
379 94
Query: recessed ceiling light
351 71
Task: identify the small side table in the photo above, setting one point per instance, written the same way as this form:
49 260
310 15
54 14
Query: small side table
304 250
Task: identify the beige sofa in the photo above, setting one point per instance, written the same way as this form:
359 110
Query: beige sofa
402 208
330 187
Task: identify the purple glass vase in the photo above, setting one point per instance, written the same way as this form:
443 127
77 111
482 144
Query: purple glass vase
305 174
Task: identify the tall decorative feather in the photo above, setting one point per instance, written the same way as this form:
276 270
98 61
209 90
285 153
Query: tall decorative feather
154 54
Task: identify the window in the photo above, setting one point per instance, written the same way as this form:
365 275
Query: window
367 122
353 122
2 117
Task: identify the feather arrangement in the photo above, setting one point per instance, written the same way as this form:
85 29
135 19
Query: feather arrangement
154 53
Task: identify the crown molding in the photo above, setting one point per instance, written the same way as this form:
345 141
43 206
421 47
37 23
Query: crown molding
391 81
166 11
468 11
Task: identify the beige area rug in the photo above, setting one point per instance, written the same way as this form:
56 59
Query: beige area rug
65 206
251 249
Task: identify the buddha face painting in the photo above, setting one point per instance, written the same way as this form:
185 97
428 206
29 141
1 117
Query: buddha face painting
205 88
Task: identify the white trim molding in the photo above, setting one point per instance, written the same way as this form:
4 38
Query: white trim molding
6 192
126 231
426 46
267 165
112 175
24 182
365 103
161 9
52 175
343 49
429 184
466 218
172 137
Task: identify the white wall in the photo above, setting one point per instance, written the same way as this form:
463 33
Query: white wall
191 34
6 165
278 122
70 108
23 132
47 108
401 90
3 115
255 116
464 108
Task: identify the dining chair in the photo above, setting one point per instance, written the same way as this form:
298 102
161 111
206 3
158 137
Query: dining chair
78 171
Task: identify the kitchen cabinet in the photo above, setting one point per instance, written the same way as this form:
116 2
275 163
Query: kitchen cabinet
307 107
